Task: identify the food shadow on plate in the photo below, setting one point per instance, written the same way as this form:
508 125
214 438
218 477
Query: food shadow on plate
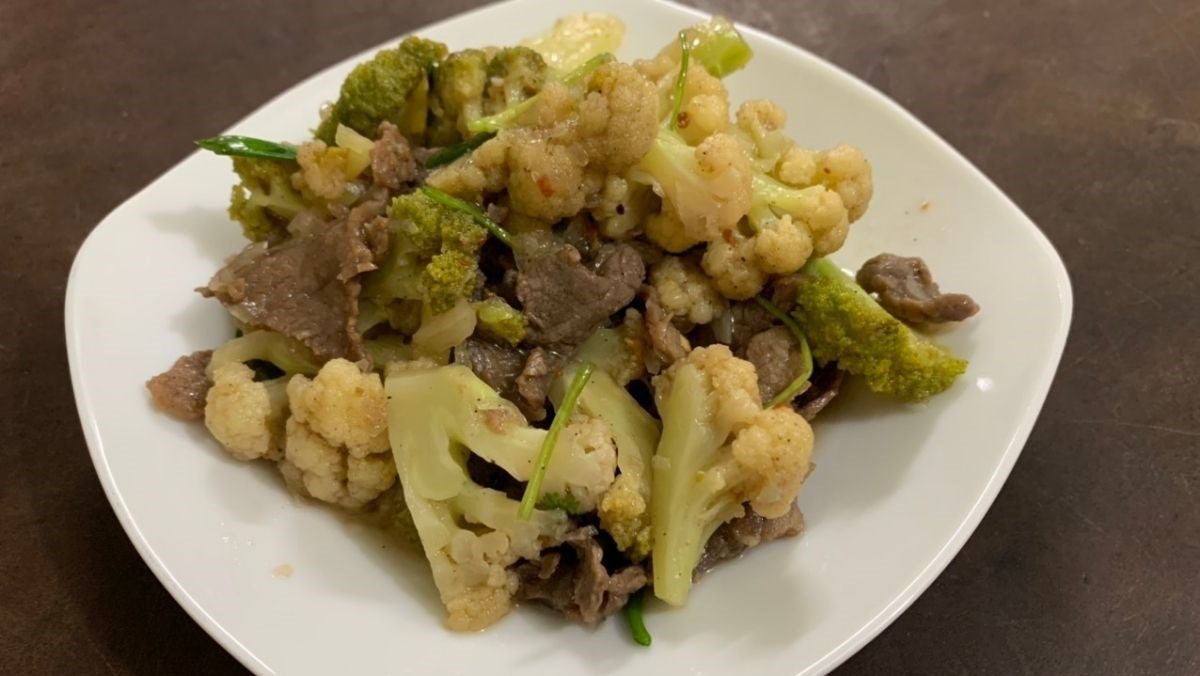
213 234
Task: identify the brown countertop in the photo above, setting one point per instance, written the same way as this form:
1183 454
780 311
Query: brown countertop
1086 113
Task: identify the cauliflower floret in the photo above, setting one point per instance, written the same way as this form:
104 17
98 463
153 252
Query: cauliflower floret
782 246
685 291
845 170
337 445
624 207
568 142
623 515
246 416
733 266
314 467
707 187
705 107
798 167
774 450
719 449
471 535
666 230
760 123
344 406
323 170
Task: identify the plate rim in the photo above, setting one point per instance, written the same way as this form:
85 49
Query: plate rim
832 657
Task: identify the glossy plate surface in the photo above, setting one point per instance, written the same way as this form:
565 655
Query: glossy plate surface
896 492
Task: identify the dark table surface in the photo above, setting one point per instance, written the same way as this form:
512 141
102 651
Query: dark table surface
1086 112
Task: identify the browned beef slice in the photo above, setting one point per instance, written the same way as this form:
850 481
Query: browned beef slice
826 382
306 287
501 367
392 161
565 299
576 583
749 320
735 537
667 344
906 289
181 389
777 359
533 383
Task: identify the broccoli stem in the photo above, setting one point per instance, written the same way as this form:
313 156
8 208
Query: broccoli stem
633 616
533 489
471 210
506 117
246 146
801 383
453 152
685 58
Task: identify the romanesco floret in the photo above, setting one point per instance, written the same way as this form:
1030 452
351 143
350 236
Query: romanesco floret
719 449
264 201
471 535
685 291
391 87
514 74
844 324
245 416
337 443
501 321
433 254
456 98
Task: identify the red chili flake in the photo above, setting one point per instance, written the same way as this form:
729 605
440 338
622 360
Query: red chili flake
544 185
727 235
681 120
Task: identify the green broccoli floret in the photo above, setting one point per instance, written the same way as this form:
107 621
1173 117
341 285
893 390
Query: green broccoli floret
499 320
844 324
457 96
392 87
264 202
514 74
433 256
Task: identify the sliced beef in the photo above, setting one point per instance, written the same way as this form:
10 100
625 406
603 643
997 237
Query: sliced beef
749 320
497 365
565 299
306 287
826 382
906 289
533 383
392 161
735 537
783 291
181 389
777 360
574 581
667 344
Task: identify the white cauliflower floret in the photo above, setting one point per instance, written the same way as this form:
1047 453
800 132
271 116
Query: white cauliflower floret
623 208
564 148
760 123
685 291
624 516
472 536
344 406
705 107
337 445
733 266
323 169
782 246
845 170
719 450
708 187
246 416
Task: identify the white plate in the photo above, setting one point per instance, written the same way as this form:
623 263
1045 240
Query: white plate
897 489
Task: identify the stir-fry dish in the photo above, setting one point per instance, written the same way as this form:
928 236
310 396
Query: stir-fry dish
560 320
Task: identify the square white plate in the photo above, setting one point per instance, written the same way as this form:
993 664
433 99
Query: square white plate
897 489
